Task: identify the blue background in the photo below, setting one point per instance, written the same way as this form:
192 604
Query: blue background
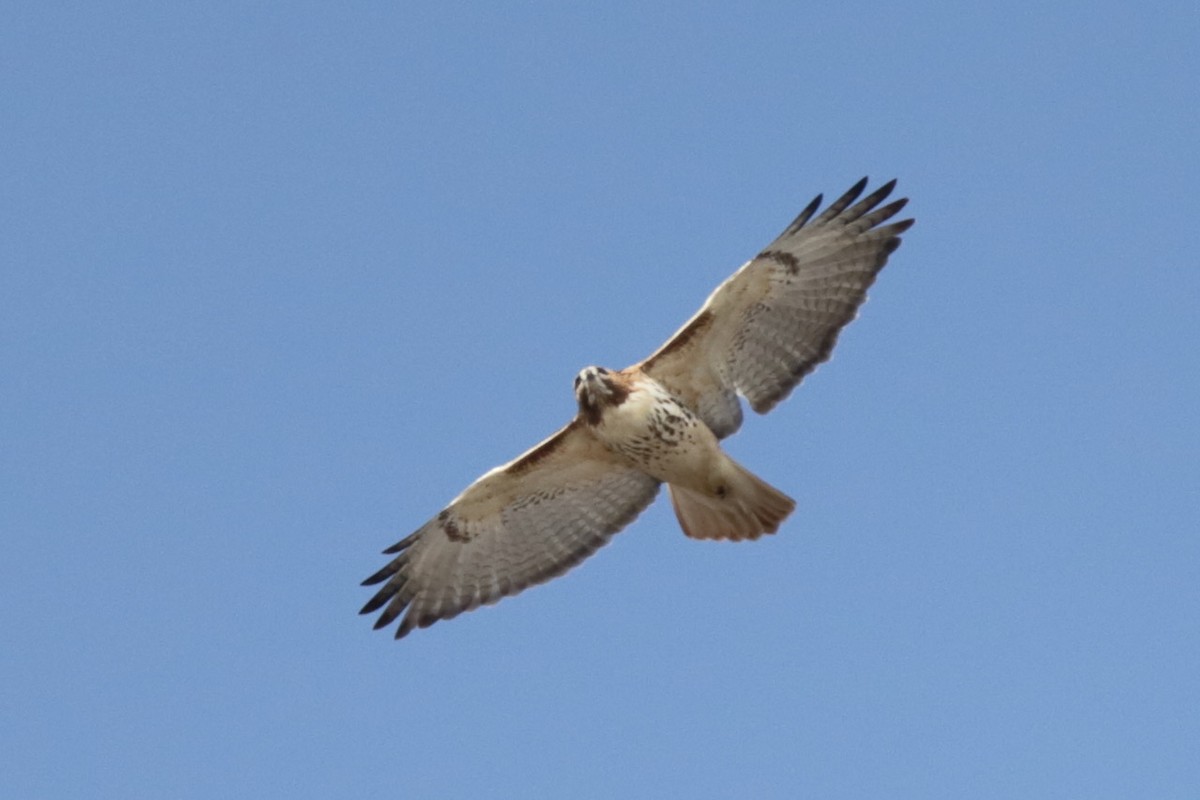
278 281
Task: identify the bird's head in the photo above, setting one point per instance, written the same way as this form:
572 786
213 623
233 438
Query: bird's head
597 387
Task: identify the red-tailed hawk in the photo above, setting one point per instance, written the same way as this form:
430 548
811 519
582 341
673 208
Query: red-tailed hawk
660 421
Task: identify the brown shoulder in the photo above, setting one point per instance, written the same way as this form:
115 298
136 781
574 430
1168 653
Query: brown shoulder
694 327
543 451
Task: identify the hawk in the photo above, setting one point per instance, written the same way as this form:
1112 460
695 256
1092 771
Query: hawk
659 421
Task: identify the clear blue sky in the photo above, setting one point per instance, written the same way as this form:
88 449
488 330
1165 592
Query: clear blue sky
279 281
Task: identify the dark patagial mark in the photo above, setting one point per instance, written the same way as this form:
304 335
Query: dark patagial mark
698 325
543 451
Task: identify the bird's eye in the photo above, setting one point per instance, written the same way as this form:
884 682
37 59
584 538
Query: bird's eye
576 381
602 370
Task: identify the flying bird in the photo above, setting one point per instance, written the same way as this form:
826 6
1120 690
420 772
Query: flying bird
659 421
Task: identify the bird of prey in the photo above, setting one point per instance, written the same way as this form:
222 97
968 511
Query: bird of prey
659 421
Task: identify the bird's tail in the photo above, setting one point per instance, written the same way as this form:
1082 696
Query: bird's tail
744 507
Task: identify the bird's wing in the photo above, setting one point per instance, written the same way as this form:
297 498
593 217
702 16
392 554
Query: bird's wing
520 524
775 319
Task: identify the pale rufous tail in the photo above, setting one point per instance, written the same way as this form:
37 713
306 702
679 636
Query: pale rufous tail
748 508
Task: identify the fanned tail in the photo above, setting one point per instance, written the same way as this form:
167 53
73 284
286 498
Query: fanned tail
748 508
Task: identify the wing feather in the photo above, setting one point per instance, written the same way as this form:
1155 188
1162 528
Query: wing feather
520 524
774 320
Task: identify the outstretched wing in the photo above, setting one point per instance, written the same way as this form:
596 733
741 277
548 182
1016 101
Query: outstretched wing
520 524
775 319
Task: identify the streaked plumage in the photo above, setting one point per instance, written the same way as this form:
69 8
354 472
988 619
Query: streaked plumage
760 332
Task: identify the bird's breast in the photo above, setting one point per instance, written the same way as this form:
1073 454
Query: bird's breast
657 433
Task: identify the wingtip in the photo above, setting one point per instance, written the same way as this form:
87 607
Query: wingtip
379 576
804 216
369 606
377 601
842 203
811 208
